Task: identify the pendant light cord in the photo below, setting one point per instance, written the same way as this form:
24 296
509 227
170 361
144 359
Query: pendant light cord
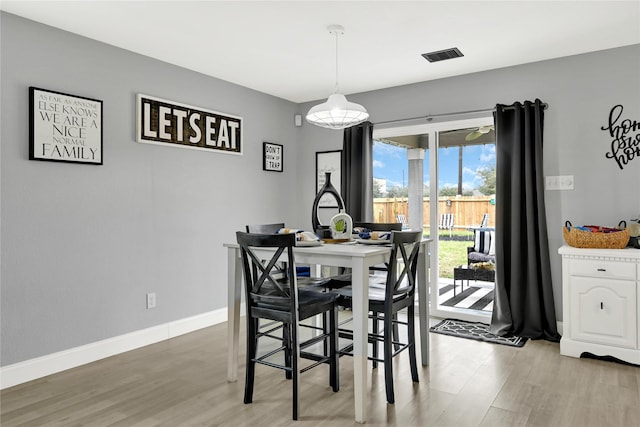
337 87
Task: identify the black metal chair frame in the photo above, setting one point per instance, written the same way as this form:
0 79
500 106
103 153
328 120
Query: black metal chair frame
399 293
277 298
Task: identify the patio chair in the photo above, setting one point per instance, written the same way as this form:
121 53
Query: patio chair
484 246
402 219
446 223
485 221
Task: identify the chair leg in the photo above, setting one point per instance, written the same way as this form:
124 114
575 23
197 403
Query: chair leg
376 332
295 348
252 329
286 339
388 357
396 333
325 330
334 369
411 330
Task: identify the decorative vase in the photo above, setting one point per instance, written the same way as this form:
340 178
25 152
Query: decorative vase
327 188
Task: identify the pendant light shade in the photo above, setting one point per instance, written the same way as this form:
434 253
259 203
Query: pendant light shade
337 112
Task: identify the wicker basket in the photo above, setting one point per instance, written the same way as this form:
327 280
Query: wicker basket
585 239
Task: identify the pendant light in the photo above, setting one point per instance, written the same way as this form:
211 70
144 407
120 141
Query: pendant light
337 112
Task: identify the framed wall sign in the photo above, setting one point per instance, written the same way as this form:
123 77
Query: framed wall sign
171 123
273 155
64 128
329 161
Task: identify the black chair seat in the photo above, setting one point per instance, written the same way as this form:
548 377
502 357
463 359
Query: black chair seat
310 302
376 295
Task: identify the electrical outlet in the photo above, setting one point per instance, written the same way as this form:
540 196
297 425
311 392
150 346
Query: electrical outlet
151 300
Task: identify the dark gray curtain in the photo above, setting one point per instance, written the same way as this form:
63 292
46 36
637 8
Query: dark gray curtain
357 171
523 304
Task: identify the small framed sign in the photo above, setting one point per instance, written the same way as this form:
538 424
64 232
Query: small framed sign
64 128
273 155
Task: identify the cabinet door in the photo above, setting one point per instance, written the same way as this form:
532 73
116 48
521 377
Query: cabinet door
603 311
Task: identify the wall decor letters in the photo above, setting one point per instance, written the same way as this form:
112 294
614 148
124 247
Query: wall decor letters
625 134
171 123
64 128
273 155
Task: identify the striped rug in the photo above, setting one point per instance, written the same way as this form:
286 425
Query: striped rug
473 297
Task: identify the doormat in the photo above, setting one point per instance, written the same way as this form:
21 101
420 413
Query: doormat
474 331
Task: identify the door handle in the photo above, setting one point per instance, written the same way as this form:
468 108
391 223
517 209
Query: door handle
601 306
602 269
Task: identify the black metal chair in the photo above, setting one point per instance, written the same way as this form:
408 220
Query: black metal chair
265 228
278 298
301 271
344 279
386 299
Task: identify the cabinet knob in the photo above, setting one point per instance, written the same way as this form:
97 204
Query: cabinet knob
601 306
602 269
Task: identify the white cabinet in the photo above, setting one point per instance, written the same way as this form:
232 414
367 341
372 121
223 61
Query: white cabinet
601 298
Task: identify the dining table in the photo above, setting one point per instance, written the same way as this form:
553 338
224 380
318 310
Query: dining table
356 256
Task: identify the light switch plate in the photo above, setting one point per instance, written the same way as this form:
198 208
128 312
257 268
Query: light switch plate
561 182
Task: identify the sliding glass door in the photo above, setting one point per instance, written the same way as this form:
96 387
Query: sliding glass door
457 186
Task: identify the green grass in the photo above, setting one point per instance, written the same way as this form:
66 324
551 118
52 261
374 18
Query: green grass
452 253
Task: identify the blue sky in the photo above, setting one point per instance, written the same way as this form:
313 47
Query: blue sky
389 162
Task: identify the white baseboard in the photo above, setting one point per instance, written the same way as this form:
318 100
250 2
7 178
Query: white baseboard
39 367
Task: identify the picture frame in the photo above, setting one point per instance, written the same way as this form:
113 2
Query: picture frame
273 157
64 127
329 161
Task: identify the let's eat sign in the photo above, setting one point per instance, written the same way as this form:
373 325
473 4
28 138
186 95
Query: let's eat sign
171 123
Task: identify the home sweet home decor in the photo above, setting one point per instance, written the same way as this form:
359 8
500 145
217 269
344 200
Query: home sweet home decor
625 134
64 128
174 124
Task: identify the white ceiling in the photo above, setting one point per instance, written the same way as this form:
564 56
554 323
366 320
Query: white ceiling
284 49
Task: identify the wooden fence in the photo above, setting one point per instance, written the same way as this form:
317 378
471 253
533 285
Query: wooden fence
467 210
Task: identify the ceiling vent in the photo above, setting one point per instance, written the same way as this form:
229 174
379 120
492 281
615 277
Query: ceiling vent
442 55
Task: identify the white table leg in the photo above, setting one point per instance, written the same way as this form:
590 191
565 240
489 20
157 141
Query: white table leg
234 286
360 309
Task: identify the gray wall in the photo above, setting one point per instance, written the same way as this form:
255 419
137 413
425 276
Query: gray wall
580 91
83 244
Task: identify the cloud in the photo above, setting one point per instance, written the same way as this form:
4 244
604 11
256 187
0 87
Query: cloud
388 150
488 154
378 164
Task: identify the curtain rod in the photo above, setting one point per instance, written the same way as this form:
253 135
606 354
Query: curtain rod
431 116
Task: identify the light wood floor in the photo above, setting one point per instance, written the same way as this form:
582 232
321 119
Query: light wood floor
182 382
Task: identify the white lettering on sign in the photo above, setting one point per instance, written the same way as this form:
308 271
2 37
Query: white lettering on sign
171 123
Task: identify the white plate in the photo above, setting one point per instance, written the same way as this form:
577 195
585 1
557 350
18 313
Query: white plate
373 242
310 243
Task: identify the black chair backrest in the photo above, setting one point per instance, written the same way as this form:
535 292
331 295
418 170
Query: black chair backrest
268 295
379 226
403 263
265 228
